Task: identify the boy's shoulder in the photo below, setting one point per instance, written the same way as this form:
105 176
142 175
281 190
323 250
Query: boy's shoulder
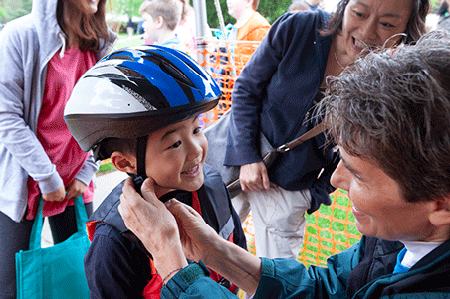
213 184
209 171
107 222
108 212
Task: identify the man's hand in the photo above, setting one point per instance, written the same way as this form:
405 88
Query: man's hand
153 224
199 240
254 177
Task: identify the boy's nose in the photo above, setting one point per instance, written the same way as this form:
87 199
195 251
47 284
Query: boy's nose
195 150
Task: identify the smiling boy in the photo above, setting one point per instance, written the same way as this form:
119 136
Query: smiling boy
142 113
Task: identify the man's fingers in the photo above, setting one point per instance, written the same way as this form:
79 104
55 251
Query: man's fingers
148 188
179 209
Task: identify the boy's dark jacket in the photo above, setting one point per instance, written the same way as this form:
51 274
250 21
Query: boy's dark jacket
118 265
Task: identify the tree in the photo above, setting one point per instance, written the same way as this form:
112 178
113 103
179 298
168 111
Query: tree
270 9
16 8
129 8
2 14
434 4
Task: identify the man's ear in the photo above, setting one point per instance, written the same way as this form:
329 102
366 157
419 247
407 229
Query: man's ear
123 162
441 214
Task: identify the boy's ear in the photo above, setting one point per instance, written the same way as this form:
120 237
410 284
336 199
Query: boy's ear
160 22
124 162
441 214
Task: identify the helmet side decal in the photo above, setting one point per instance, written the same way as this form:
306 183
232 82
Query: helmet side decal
139 98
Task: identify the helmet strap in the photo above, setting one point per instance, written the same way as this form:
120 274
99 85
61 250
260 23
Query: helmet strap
139 178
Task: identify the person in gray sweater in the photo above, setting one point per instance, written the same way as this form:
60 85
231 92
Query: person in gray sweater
42 55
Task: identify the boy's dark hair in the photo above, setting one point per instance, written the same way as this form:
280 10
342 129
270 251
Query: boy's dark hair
414 29
110 145
394 109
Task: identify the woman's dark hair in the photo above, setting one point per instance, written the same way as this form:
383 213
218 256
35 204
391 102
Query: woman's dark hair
82 29
414 29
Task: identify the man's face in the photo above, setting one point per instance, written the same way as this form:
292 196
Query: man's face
377 202
175 156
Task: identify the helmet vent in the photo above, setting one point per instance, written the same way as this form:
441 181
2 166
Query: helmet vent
170 69
129 72
121 57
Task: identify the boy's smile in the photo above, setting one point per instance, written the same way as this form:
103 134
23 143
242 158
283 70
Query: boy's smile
175 157
192 172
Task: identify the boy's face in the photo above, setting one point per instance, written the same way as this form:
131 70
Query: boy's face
378 204
175 156
150 27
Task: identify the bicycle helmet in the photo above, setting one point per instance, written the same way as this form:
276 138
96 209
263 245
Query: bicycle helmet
135 91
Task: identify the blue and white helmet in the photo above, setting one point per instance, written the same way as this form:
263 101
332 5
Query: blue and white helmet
135 91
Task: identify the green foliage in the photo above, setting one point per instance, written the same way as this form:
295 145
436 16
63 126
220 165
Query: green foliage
434 4
124 7
270 9
2 14
16 8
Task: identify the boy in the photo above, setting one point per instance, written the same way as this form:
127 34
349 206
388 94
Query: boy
161 18
390 117
142 113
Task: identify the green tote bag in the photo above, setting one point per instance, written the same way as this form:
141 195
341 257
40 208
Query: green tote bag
56 271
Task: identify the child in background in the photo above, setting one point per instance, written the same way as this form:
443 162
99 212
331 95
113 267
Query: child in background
161 18
142 112
250 24
186 30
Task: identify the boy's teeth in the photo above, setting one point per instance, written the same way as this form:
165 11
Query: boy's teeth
192 170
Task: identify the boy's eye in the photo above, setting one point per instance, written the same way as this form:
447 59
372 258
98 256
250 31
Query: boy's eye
196 130
176 144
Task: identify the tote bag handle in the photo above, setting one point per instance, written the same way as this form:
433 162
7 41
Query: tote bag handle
36 231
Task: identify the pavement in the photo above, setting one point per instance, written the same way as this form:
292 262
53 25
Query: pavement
105 183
